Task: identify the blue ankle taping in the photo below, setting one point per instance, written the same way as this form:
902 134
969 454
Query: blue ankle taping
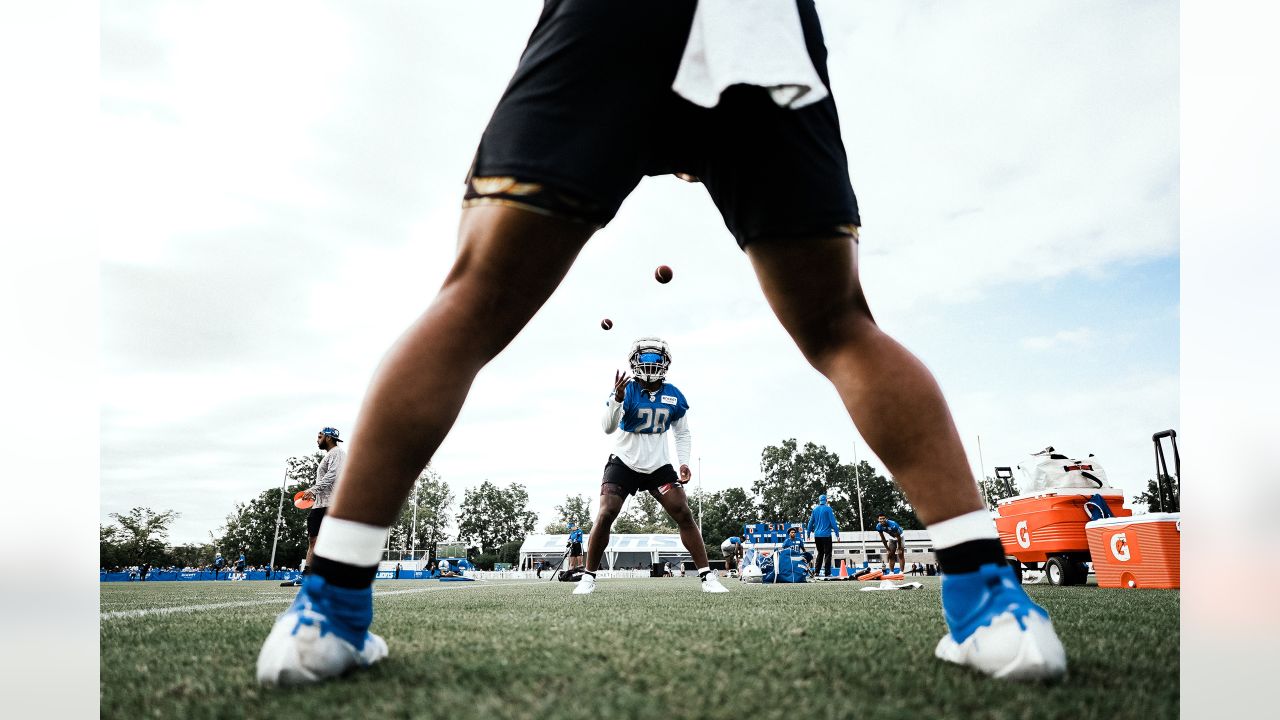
972 600
347 612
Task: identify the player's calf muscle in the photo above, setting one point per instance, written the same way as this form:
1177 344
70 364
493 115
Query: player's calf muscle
825 343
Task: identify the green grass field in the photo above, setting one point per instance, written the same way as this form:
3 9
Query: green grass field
634 649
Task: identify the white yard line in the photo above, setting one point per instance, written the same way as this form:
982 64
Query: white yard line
146 612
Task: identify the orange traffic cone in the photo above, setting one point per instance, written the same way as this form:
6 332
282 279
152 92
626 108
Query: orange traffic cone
844 568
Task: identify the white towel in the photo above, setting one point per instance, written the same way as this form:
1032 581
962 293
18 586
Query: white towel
888 585
748 42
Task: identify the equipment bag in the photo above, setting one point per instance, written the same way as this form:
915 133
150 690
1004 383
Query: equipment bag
791 567
571 575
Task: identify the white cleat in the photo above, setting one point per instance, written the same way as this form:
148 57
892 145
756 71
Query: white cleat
301 649
586 585
711 583
1010 650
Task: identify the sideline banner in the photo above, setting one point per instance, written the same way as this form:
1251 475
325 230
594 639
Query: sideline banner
169 575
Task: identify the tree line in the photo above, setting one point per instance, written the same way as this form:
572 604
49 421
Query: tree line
492 521
790 481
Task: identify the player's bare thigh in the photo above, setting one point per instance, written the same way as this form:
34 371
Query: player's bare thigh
515 257
674 500
809 282
610 504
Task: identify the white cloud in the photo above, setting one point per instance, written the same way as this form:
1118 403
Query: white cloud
1068 338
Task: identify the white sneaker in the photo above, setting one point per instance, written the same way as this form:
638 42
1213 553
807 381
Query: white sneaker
996 629
304 645
1010 649
586 585
711 583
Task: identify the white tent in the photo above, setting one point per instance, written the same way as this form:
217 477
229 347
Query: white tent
624 551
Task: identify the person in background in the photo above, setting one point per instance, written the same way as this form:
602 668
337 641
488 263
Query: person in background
822 524
897 558
575 546
321 490
793 540
731 549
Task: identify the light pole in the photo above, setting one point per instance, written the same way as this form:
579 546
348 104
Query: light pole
413 534
982 474
279 514
857 481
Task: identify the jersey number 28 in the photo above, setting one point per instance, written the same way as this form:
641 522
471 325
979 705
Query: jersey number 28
654 420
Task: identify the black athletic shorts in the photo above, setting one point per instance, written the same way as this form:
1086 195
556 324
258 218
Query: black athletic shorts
622 481
575 550
313 520
590 111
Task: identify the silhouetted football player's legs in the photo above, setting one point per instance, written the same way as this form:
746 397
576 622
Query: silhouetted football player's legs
895 402
509 262
893 399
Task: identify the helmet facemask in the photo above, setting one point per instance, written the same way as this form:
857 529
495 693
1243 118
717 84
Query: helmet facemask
650 359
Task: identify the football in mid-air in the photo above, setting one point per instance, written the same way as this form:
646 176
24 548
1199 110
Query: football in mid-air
662 274
606 323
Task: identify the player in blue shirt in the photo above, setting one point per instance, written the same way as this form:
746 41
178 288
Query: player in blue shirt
218 562
731 550
897 558
575 546
793 541
644 409
822 524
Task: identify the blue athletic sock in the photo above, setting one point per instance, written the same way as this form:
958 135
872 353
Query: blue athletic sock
972 600
348 612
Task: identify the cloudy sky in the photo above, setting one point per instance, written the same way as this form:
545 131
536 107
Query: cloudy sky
284 196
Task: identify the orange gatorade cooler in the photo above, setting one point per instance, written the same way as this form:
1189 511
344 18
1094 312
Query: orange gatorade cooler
1037 527
1141 551
1044 524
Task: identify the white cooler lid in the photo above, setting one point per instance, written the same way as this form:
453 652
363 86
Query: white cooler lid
1106 493
1133 519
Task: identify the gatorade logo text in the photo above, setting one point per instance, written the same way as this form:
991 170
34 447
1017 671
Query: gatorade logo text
1023 534
1120 547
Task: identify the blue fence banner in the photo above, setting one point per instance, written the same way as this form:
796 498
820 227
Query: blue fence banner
170 575
223 575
